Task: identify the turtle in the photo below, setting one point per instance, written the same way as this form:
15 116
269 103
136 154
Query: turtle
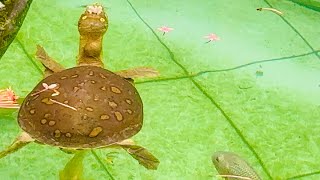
87 106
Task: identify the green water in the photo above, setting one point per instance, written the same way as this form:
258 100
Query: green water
208 97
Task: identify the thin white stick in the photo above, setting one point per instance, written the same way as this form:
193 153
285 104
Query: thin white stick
62 104
272 10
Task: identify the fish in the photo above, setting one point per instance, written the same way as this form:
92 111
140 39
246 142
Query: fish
233 167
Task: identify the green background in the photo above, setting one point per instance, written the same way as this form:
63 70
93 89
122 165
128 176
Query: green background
207 98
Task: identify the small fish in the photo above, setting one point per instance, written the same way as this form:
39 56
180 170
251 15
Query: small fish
271 9
232 167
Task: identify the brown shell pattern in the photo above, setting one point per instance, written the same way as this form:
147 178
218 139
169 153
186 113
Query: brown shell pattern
89 107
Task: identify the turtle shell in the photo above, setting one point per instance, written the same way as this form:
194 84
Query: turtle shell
82 107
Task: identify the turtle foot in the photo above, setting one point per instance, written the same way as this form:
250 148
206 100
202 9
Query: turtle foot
19 143
141 154
51 65
139 72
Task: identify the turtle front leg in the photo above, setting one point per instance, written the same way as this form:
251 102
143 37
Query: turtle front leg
19 143
139 72
51 65
141 154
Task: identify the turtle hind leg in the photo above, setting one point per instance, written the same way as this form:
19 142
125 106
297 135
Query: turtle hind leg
74 168
19 143
51 65
141 154
139 72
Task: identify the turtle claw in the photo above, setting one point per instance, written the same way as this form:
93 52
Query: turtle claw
51 65
19 143
139 72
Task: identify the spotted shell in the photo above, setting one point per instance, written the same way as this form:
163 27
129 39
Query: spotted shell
82 107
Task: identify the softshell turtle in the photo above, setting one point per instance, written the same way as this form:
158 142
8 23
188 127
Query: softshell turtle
87 106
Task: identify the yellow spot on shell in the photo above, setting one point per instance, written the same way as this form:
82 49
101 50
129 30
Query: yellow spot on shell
89 109
128 101
129 111
93 81
32 111
91 73
95 132
43 121
57 133
103 88
63 77
118 115
46 101
75 89
115 90
68 135
47 115
102 20
102 76
75 75
104 117
52 123
112 104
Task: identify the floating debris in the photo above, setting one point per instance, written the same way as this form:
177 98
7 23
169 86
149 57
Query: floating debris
259 72
165 29
271 9
211 37
8 99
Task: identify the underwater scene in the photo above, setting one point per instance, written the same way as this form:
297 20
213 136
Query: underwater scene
159 89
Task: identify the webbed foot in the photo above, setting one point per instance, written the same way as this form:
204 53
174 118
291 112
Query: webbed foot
19 143
50 64
141 154
139 72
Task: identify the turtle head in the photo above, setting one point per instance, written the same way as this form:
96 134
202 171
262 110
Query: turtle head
92 25
93 20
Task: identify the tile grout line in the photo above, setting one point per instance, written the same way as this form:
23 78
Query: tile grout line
288 58
28 56
316 53
295 30
304 175
204 93
101 163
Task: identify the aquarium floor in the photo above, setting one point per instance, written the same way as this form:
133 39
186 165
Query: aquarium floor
254 92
